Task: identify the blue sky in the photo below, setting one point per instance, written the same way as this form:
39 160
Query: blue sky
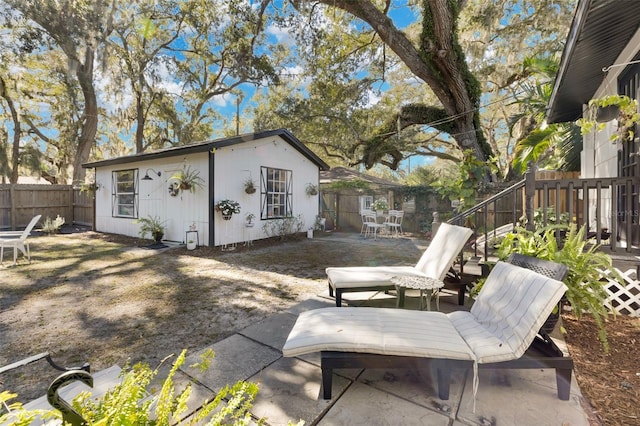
402 16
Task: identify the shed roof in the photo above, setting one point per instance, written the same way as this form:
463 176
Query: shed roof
599 32
342 174
215 143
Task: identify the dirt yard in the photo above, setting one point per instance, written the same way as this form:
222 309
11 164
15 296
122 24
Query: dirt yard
101 298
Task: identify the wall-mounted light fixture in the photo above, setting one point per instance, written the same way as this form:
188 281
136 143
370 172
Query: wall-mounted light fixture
147 177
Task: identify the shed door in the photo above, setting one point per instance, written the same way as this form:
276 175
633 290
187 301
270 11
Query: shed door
628 166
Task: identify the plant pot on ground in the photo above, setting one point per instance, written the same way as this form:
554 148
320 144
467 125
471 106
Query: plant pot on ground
151 225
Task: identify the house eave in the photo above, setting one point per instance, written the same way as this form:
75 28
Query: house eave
599 32
208 146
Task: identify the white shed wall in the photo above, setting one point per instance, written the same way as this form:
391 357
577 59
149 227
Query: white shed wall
178 212
233 165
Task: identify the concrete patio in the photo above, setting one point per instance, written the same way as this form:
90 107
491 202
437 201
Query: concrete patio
290 388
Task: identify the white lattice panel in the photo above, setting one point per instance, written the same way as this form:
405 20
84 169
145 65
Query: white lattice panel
625 299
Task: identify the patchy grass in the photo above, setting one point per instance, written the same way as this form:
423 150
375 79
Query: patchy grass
100 298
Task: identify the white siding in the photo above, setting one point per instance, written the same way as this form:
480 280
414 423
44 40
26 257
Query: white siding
235 164
600 155
153 199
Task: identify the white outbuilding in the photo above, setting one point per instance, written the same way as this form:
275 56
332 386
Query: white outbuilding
284 173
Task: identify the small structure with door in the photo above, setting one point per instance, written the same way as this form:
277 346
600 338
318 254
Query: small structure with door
266 174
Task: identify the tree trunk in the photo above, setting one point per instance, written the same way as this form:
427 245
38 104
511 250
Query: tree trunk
438 61
84 72
15 148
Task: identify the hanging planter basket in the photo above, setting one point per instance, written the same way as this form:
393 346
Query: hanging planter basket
226 216
607 113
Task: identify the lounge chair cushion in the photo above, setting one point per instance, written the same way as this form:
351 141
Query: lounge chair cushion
367 276
377 330
513 304
434 262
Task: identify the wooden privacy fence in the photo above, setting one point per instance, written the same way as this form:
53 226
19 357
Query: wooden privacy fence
19 203
341 208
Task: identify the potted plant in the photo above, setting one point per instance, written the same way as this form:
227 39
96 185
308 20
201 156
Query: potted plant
607 108
191 245
187 179
584 281
249 186
227 208
151 225
311 190
380 205
249 220
90 187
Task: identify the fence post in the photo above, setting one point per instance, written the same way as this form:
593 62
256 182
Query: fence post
72 204
529 194
14 213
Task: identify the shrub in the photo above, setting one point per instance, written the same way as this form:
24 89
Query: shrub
587 265
52 226
129 402
283 228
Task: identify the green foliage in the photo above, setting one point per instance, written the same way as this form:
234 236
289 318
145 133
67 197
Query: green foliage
151 225
628 116
586 263
227 207
287 227
467 184
15 413
90 187
52 226
408 192
188 179
350 184
129 403
380 204
311 189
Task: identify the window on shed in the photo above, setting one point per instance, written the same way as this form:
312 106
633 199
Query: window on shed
276 193
124 193
365 202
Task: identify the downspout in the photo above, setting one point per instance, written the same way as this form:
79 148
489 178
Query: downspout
211 197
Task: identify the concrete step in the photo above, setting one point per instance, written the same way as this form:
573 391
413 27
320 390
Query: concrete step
102 381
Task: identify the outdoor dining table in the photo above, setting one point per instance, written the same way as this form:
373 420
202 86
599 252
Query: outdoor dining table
424 284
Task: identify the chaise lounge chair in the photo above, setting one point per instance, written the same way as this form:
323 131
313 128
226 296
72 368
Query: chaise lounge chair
17 240
434 263
501 325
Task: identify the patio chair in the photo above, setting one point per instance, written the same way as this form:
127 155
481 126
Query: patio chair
434 263
393 224
18 241
363 215
495 333
371 225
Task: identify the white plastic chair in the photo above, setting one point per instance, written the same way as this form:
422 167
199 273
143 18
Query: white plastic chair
372 226
17 240
363 217
394 222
